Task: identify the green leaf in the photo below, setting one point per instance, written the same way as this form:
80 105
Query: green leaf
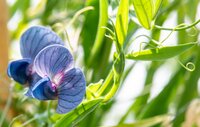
147 122
157 4
144 11
122 21
75 116
160 53
103 19
89 29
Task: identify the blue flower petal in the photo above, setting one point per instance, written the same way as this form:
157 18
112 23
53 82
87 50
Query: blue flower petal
35 39
32 80
43 90
71 90
18 70
53 60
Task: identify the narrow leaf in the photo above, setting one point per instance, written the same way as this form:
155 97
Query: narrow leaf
160 53
122 21
144 11
103 19
73 117
157 4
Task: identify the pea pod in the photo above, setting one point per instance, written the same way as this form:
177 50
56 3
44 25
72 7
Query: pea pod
162 53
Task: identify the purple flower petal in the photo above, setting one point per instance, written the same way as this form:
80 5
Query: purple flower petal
43 90
71 90
35 39
18 70
53 60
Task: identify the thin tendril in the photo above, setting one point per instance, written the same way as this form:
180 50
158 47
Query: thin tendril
29 121
140 49
193 33
178 26
189 66
110 37
149 38
14 119
111 32
160 44
118 47
184 27
66 36
78 13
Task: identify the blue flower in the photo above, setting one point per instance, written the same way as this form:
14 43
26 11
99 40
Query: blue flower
32 42
59 78
48 69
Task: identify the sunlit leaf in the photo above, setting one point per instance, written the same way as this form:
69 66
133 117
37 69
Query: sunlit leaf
157 4
160 53
144 11
122 21
73 117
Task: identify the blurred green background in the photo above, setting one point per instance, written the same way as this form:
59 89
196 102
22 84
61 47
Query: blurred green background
152 93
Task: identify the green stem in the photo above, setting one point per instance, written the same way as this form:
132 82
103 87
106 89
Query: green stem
37 116
105 84
118 69
8 104
112 91
178 28
29 121
14 119
48 109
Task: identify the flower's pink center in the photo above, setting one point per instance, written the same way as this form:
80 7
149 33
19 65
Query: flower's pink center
57 80
53 86
30 70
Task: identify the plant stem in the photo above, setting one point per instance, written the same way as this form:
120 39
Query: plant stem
178 28
29 121
49 108
112 91
8 103
14 119
105 84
